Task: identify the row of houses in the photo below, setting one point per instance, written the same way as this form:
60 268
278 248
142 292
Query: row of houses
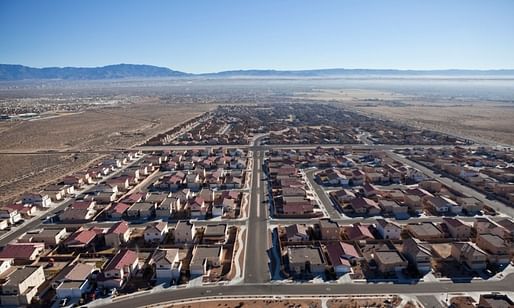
22 262
288 191
387 247
428 197
486 169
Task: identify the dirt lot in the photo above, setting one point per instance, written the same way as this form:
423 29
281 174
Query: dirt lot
253 303
485 124
97 129
92 130
20 173
489 121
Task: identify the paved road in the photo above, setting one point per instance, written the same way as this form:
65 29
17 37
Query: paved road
36 222
256 268
357 146
455 185
322 195
309 289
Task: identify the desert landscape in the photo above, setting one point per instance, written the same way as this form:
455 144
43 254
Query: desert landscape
485 121
81 137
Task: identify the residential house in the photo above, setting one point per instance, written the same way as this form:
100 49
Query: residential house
457 228
167 264
498 249
341 255
156 232
26 211
418 254
141 210
484 225
471 206
73 281
425 231
184 232
469 254
388 230
357 232
5 264
167 207
392 207
74 215
389 261
11 215
495 300
297 206
121 267
329 230
441 204
50 237
215 233
21 286
296 233
305 260
117 235
343 195
365 206
41 200
22 253
204 259
118 210
414 203
81 239
369 190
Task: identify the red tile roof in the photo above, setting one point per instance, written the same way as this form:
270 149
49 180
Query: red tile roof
119 227
122 259
83 237
22 251
120 208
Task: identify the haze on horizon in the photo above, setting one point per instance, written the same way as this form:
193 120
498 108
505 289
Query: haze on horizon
208 36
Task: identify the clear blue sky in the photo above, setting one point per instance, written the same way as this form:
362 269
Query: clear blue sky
214 35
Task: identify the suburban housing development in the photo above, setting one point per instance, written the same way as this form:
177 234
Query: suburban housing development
268 195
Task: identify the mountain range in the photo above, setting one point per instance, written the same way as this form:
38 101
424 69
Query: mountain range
12 72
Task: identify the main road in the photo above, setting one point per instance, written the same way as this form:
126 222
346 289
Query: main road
306 289
256 268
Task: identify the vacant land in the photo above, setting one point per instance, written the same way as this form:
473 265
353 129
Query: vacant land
484 124
29 171
483 121
93 130
293 303
97 129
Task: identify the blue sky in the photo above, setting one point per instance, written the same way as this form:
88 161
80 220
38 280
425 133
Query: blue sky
207 36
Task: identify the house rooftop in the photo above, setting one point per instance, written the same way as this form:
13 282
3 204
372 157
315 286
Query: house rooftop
20 250
123 258
493 239
167 254
327 223
389 257
119 227
215 230
302 254
202 253
20 274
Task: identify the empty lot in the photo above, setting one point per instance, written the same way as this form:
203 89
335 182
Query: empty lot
99 129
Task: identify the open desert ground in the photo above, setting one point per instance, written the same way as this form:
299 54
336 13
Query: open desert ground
101 129
488 121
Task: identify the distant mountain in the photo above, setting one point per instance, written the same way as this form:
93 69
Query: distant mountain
341 72
9 72
20 72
